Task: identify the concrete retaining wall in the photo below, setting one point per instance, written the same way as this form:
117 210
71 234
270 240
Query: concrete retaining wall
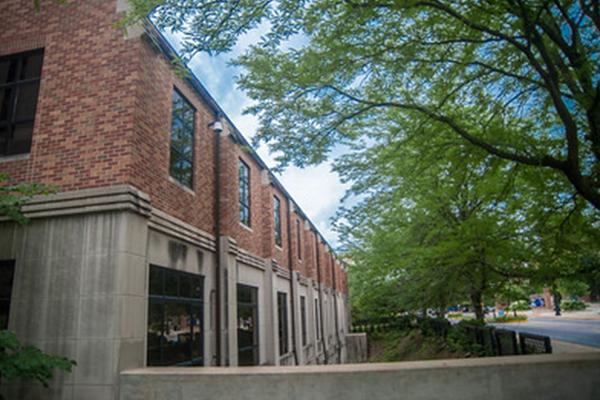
356 348
568 376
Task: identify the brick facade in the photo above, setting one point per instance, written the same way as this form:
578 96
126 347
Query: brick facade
104 118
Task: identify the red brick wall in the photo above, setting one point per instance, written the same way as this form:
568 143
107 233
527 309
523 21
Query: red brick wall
83 123
151 138
104 118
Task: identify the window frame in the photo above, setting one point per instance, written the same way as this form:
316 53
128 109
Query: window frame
317 320
244 203
165 298
277 221
303 320
282 323
299 234
252 305
173 149
15 87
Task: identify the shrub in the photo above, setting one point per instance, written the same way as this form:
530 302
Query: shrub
520 305
21 361
510 318
573 305
462 338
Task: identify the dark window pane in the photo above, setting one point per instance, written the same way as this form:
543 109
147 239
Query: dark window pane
156 280
197 288
175 318
7 271
277 219
282 323
18 99
247 325
155 332
26 101
178 333
5 103
197 334
171 283
8 70
4 311
32 66
182 140
21 138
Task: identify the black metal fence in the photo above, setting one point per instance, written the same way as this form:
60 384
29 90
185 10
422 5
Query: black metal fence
492 341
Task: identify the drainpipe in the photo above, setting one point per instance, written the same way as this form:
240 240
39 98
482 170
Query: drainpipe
217 127
292 296
320 297
335 310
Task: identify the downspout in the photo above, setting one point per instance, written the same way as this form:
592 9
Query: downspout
335 310
292 296
218 128
320 298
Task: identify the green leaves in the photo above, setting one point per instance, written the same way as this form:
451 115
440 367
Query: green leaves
19 361
14 196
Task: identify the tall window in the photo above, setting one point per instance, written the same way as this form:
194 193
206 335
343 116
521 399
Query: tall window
247 310
244 184
175 317
19 86
181 165
277 218
299 235
283 323
303 318
317 319
7 271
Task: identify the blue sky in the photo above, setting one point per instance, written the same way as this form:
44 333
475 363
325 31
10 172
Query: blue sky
317 190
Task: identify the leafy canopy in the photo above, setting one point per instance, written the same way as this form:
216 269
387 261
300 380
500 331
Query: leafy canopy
516 78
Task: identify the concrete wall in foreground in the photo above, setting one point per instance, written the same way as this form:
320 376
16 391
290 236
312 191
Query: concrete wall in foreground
569 376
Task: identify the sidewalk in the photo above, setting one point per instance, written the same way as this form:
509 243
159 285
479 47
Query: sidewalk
560 347
591 313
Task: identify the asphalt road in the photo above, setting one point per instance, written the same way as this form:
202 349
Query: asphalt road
585 332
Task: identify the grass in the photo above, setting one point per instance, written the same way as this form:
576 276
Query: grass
409 345
455 315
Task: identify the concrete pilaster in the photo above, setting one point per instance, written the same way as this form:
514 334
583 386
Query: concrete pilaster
295 303
269 309
228 295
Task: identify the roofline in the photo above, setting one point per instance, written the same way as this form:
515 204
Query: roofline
159 41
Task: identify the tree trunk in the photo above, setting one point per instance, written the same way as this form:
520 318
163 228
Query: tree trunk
477 306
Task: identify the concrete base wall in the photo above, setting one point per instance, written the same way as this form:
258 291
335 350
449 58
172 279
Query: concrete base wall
545 377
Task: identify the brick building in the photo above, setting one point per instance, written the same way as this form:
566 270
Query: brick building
168 241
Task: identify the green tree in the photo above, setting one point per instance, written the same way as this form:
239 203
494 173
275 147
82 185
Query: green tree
19 361
518 79
14 195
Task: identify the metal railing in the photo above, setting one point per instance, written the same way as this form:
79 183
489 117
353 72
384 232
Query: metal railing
492 341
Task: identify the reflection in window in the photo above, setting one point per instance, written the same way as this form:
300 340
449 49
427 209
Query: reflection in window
175 318
244 183
247 310
7 271
283 323
182 140
19 86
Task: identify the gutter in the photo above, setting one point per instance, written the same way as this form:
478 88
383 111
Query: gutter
292 295
320 299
